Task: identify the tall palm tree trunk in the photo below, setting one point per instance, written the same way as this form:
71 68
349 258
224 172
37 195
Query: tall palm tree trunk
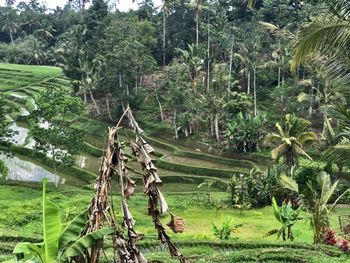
254 86
197 28
175 126
160 107
11 37
216 125
164 31
230 67
248 84
208 63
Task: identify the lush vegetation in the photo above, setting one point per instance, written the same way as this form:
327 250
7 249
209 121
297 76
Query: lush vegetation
244 106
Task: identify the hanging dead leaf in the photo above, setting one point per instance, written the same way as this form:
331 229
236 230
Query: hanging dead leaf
128 221
130 188
176 224
141 141
162 202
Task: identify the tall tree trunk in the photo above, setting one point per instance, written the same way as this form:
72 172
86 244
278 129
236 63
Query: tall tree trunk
208 63
279 81
310 100
254 86
279 76
120 80
216 125
160 107
248 85
108 108
127 92
230 67
11 37
85 97
175 126
164 31
197 28
94 102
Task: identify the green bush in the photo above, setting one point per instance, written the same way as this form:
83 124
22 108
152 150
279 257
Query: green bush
3 171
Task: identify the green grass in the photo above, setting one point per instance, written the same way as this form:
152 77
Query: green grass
20 220
38 70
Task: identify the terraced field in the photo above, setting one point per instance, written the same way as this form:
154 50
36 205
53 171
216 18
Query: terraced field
180 166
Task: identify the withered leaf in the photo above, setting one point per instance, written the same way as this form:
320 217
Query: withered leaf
128 221
130 188
162 202
176 224
148 148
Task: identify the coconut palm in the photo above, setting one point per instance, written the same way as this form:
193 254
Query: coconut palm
11 28
248 54
291 138
197 6
45 31
165 12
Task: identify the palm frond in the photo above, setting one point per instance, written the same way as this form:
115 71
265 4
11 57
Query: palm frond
340 113
279 151
300 151
307 137
336 69
339 154
325 36
339 8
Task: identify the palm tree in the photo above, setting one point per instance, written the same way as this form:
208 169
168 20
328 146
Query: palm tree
11 28
165 12
292 138
197 6
44 31
248 54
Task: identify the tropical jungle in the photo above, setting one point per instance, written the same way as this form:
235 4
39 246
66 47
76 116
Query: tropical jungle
162 131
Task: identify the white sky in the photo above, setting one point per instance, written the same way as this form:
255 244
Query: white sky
123 5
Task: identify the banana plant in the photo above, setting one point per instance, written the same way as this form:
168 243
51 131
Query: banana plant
58 245
317 202
287 216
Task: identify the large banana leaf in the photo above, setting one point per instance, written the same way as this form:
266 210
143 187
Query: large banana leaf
30 250
73 230
85 242
51 227
276 210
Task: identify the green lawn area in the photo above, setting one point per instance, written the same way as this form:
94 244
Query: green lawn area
38 70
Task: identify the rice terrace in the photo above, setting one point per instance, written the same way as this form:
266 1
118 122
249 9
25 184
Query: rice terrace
189 131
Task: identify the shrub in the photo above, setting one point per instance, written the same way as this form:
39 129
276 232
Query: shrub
224 231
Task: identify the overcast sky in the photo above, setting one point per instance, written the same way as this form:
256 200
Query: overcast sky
124 5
